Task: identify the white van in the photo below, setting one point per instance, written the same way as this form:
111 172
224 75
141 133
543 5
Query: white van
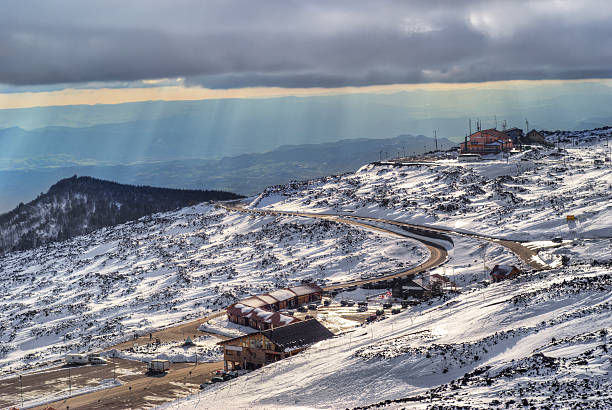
77 358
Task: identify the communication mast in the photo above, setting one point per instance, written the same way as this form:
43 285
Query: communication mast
436 139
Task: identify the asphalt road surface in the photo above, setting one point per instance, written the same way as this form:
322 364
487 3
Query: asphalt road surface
438 254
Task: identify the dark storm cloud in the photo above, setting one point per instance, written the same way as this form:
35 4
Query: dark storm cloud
225 44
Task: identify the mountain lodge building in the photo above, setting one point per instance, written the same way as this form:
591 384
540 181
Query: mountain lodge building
250 352
262 311
489 141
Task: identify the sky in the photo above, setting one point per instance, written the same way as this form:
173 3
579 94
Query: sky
74 52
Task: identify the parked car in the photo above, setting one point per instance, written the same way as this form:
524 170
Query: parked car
395 311
350 303
326 302
217 379
372 318
205 384
97 360
380 312
362 309
289 313
302 309
312 306
387 305
343 302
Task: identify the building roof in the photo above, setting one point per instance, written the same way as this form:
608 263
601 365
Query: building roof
487 134
259 315
411 284
269 299
253 301
298 334
294 335
305 289
503 269
282 294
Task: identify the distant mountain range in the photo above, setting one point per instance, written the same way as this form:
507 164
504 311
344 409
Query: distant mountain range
248 174
75 206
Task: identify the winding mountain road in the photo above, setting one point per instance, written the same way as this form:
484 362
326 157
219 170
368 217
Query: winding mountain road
438 254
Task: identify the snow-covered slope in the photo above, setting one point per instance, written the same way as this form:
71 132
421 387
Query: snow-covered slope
100 288
542 339
525 197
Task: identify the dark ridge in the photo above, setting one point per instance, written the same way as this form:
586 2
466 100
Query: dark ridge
78 205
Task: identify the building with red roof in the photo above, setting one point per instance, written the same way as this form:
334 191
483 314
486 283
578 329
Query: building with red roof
261 311
489 141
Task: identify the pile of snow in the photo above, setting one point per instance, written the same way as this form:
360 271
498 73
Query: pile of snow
222 326
204 349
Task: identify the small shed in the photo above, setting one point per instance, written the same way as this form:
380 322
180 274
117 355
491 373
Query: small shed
515 133
533 137
502 272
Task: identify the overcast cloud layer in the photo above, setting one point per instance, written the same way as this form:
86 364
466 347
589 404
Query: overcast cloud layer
230 43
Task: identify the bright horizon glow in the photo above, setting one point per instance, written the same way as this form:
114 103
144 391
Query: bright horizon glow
93 96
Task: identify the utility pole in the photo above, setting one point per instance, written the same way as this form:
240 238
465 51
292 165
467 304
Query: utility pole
21 390
470 125
484 259
380 156
436 139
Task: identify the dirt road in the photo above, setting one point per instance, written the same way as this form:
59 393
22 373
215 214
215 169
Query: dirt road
171 334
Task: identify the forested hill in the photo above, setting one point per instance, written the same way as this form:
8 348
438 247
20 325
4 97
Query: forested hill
77 205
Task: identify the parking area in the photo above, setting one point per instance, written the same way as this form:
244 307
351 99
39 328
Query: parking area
340 313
